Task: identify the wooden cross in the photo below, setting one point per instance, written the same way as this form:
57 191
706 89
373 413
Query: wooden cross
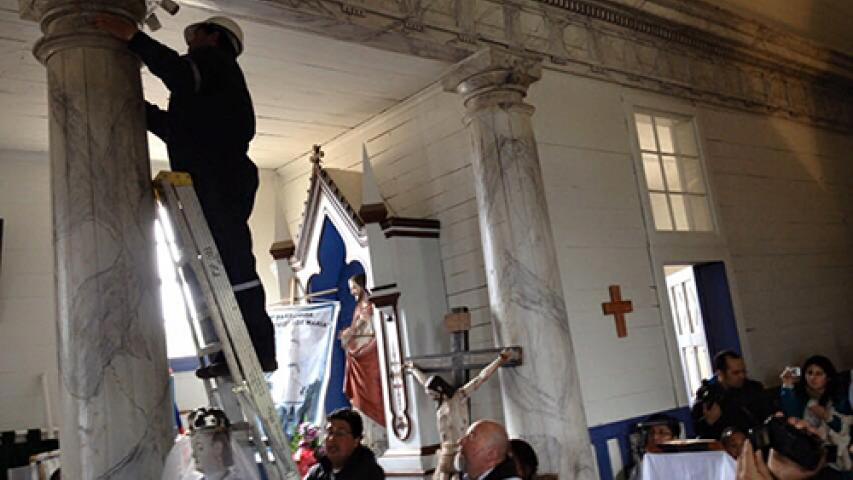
618 308
317 155
460 361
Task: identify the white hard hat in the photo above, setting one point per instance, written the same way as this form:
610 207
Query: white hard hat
235 33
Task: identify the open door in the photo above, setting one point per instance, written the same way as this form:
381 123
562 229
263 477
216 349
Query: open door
712 286
689 326
703 318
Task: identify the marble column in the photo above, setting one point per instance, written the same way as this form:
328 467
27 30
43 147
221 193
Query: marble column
542 398
113 368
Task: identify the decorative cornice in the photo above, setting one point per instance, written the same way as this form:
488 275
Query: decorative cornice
385 299
411 227
68 23
282 250
696 51
493 67
373 213
321 186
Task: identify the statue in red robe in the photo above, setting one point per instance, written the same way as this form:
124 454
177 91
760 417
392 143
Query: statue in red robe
363 378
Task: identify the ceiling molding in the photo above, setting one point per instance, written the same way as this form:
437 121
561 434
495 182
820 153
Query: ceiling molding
699 52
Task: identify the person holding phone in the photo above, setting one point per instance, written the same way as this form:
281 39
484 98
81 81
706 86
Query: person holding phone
817 398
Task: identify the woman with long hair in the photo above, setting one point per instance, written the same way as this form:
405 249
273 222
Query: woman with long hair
817 398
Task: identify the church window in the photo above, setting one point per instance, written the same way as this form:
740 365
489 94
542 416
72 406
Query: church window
179 341
672 168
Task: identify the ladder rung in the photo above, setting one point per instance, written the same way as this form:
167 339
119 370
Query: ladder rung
210 349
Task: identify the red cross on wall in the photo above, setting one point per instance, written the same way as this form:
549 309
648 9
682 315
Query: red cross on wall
618 308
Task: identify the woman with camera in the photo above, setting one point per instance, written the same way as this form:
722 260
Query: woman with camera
819 401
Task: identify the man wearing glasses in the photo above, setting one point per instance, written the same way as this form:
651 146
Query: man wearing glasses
345 457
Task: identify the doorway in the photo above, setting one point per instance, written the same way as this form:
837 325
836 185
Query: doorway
703 318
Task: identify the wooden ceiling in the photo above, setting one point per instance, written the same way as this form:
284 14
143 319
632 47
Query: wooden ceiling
306 89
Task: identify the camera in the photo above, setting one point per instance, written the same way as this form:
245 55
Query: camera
710 393
798 445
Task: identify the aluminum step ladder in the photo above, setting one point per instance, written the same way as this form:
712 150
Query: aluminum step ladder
244 396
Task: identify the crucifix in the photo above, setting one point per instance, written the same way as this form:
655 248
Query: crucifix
452 411
618 308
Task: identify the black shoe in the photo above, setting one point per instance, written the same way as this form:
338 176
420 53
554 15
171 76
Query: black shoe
269 365
219 369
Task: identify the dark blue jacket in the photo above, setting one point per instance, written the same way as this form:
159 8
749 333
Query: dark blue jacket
210 120
742 408
361 466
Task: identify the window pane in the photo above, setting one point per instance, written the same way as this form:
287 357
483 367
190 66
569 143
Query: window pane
665 140
693 307
645 132
691 172
654 177
660 211
179 341
685 141
673 179
679 212
674 299
681 308
700 213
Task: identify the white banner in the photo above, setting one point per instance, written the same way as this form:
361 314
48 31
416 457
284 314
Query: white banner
304 336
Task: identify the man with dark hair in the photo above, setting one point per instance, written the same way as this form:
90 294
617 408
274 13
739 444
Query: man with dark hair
526 461
207 129
345 457
729 399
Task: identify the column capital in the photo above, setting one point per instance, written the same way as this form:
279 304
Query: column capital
68 23
493 69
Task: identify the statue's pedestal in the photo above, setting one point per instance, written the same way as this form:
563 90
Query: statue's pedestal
415 464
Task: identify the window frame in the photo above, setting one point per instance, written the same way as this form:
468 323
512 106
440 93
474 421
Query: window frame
642 180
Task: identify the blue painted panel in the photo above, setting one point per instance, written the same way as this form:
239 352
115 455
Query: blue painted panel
712 286
184 364
621 430
335 273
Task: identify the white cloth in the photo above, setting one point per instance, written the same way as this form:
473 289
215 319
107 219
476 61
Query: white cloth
695 465
180 464
485 474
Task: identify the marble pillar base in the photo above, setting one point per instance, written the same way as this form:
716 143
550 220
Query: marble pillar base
409 464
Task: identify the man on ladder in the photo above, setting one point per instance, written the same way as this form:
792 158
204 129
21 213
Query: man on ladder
207 129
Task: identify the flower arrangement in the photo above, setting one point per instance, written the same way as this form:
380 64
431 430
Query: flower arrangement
307 443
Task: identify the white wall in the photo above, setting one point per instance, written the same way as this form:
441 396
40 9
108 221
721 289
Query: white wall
262 225
785 200
600 236
27 306
790 276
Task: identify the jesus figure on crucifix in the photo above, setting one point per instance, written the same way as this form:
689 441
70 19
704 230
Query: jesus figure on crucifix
452 411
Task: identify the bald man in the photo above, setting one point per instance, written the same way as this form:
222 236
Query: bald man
483 453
